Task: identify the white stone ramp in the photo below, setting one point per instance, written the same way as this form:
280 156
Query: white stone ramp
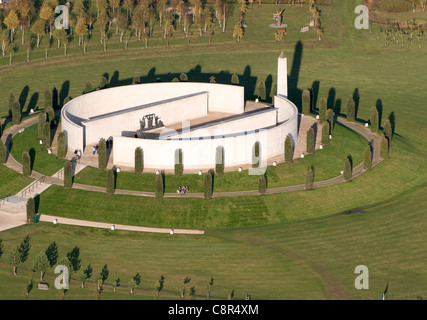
84 223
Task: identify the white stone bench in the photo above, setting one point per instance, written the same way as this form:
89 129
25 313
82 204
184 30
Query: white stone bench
304 29
43 286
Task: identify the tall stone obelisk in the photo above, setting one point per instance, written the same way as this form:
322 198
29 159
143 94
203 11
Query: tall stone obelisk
282 75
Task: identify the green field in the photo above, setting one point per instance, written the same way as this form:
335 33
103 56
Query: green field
296 245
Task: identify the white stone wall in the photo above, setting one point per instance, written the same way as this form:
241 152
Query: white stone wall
221 98
200 153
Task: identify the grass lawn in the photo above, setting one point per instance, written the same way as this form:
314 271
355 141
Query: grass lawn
327 162
12 182
42 162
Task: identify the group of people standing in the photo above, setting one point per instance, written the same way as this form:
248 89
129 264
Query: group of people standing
182 190
108 144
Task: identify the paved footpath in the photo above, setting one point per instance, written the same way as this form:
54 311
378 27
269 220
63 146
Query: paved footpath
18 219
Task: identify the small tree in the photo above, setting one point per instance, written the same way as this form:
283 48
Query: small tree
16 112
208 185
139 160
219 160
347 169
31 210
41 264
179 167
183 77
384 147
159 187
132 285
211 283
103 83
310 141
262 184
46 136
309 178
351 109
374 118
14 260
103 275
24 249
367 158
61 146
136 80
159 286
330 119
26 164
102 155
325 133
306 102
74 257
322 110
68 175
3 153
289 149
110 181
235 79
262 91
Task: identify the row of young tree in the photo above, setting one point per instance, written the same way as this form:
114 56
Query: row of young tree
130 18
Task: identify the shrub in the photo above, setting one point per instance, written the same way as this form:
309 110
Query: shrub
256 161
322 110
16 112
50 115
374 118
262 91
42 121
175 79
68 175
325 133
306 102
26 164
103 83
262 184
289 149
330 119
384 147
110 182
88 87
47 99
309 178
351 109
159 187
310 141
183 77
219 160
273 92
102 155
388 130
139 160
367 158
11 100
55 103
208 185
61 145
31 210
179 167
136 80
46 136
234 79
347 169
3 152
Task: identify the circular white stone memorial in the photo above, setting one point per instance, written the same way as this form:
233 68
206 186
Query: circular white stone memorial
206 121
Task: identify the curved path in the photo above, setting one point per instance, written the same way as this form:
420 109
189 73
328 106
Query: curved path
373 138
